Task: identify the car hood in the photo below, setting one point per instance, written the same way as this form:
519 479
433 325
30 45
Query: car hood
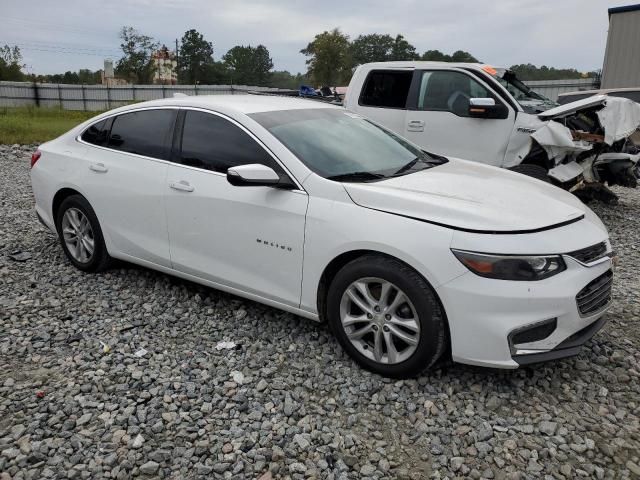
472 197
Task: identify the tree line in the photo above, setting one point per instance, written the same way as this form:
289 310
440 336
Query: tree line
332 56
331 59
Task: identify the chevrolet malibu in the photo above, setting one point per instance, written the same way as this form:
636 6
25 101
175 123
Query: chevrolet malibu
315 210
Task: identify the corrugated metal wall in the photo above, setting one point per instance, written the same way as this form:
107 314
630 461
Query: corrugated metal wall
101 97
622 57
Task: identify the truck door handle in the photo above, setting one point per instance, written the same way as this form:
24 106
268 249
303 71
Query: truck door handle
182 186
98 167
415 126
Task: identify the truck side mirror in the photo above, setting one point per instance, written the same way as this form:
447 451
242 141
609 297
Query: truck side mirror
487 108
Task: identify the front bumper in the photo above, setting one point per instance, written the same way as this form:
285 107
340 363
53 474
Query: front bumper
568 348
484 315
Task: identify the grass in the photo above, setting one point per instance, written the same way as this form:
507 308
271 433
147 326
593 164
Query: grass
26 125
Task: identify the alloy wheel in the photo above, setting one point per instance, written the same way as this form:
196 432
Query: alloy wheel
78 235
379 320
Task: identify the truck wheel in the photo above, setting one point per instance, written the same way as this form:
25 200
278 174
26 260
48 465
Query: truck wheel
530 170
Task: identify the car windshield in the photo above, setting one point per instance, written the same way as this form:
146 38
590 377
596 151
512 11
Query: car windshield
341 145
531 102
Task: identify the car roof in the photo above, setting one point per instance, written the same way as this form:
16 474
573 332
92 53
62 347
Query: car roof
425 64
242 103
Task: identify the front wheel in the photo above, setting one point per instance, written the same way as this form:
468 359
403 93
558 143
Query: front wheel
386 316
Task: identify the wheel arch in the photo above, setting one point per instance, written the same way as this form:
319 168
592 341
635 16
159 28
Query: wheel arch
59 197
334 266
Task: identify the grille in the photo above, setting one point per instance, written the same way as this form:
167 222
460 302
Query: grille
590 254
596 295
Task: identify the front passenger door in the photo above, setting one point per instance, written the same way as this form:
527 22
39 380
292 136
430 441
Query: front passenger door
440 121
248 238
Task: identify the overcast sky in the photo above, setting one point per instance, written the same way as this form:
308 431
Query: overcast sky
61 35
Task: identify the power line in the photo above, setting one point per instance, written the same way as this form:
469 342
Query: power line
51 48
66 46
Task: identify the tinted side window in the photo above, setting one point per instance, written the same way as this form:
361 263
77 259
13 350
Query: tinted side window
97 133
449 92
145 132
214 143
386 89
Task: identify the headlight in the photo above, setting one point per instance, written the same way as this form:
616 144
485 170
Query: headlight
511 267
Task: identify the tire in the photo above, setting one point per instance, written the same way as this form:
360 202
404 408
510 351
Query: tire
531 170
421 319
75 218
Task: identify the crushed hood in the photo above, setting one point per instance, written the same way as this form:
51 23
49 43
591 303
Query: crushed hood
618 117
573 107
471 196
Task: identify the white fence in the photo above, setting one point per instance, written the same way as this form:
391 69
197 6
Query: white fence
552 88
102 97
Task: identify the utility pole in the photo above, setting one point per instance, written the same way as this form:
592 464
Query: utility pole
177 63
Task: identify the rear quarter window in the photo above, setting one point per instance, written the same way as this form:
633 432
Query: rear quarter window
97 133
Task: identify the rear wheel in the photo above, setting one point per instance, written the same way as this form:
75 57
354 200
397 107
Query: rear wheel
531 170
386 316
80 234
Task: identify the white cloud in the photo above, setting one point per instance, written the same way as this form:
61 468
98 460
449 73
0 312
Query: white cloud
571 33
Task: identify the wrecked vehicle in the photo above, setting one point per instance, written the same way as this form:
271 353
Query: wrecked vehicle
478 112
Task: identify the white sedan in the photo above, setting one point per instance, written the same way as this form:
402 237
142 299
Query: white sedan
313 209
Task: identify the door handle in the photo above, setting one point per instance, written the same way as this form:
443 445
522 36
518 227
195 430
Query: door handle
98 168
182 186
415 126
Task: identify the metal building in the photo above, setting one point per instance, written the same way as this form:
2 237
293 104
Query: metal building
622 57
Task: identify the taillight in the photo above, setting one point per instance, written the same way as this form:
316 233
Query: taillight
35 156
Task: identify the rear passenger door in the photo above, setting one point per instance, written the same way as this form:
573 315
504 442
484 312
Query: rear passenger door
438 117
126 168
384 97
248 238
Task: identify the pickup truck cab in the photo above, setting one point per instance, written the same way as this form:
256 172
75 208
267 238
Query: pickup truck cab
485 114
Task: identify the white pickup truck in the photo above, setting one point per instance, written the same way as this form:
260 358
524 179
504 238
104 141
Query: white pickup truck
482 113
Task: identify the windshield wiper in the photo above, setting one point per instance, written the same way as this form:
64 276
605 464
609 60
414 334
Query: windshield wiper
356 177
407 166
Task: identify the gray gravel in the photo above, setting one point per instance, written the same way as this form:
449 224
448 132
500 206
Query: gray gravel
76 401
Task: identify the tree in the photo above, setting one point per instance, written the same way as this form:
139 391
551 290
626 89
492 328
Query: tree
435 56
284 79
457 56
216 73
137 63
248 65
462 56
532 72
11 64
195 58
372 48
329 62
403 50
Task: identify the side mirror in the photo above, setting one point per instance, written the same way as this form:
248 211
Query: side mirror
487 108
253 175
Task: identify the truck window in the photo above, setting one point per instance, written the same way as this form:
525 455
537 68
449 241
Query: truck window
386 88
448 91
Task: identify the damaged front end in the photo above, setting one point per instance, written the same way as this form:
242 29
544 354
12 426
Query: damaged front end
586 146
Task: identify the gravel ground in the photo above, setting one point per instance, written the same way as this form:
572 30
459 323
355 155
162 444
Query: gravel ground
77 402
